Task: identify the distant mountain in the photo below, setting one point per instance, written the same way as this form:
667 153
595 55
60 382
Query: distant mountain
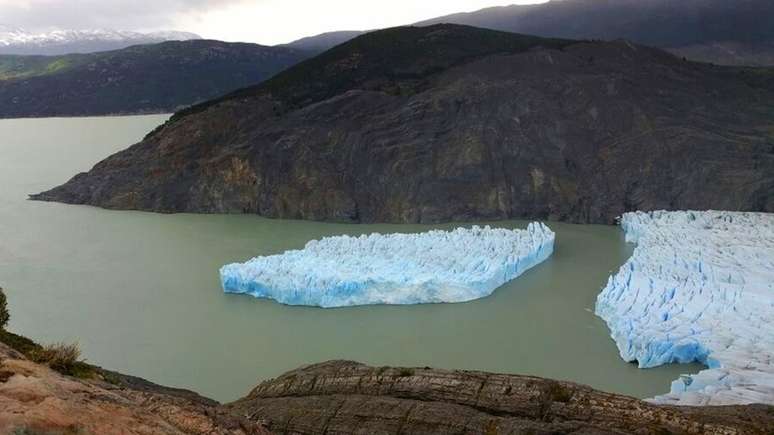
15 40
729 53
735 32
325 41
140 79
696 28
454 123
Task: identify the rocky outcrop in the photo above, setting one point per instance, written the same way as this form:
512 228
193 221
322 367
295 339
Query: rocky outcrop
345 397
36 399
452 123
350 398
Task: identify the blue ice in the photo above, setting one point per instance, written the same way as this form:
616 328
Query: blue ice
435 266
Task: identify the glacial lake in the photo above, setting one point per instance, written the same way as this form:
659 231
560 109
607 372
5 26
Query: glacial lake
140 291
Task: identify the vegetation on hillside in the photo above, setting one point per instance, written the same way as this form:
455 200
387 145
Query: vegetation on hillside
140 79
62 357
4 315
19 67
393 60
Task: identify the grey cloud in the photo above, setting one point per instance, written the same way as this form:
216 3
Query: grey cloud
114 14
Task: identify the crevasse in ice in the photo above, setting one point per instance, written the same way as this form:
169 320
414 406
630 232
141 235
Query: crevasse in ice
698 287
434 266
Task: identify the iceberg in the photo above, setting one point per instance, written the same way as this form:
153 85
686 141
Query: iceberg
698 287
430 267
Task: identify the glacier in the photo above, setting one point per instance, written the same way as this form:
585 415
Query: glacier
699 286
431 267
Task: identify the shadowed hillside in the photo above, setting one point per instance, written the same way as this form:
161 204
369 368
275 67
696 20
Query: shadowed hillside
141 79
719 31
451 123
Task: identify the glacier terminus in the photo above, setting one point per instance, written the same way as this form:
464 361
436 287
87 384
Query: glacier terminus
698 287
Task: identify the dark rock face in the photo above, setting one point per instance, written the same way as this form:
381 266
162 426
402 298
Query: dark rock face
350 398
579 132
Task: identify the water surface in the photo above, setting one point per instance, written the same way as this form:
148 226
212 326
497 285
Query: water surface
140 291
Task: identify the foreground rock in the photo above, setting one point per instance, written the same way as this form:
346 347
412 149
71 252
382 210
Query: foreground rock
450 123
345 397
350 398
36 399
699 287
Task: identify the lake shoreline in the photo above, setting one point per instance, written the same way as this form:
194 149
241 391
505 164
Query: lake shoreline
142 293
354 393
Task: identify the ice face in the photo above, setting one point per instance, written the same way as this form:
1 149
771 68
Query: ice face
435 266
699 287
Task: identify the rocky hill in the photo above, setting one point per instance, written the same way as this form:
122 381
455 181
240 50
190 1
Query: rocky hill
450 122
140 79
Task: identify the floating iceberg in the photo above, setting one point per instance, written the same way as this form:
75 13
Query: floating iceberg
435 266
699 287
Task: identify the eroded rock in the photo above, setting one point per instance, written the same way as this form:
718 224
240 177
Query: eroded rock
345 397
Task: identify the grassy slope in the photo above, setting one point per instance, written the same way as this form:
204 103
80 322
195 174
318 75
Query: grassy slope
15 67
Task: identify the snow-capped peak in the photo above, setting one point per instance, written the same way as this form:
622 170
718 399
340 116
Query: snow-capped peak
16 40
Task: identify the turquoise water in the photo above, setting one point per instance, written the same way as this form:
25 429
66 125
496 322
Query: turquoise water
140 291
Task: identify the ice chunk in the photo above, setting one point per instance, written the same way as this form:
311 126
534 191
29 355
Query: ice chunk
699 287
435 266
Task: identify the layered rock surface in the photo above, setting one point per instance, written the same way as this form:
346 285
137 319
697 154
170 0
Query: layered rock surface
453 123
347 398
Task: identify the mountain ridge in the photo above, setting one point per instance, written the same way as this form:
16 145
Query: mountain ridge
139 79
467 124
392 57
324 41
717 31
18 41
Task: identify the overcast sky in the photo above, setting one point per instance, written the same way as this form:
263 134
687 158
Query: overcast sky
261 21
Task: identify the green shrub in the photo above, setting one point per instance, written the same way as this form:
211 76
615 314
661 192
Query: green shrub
405 372
557 392
17 342
4 315
61 357
64 358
